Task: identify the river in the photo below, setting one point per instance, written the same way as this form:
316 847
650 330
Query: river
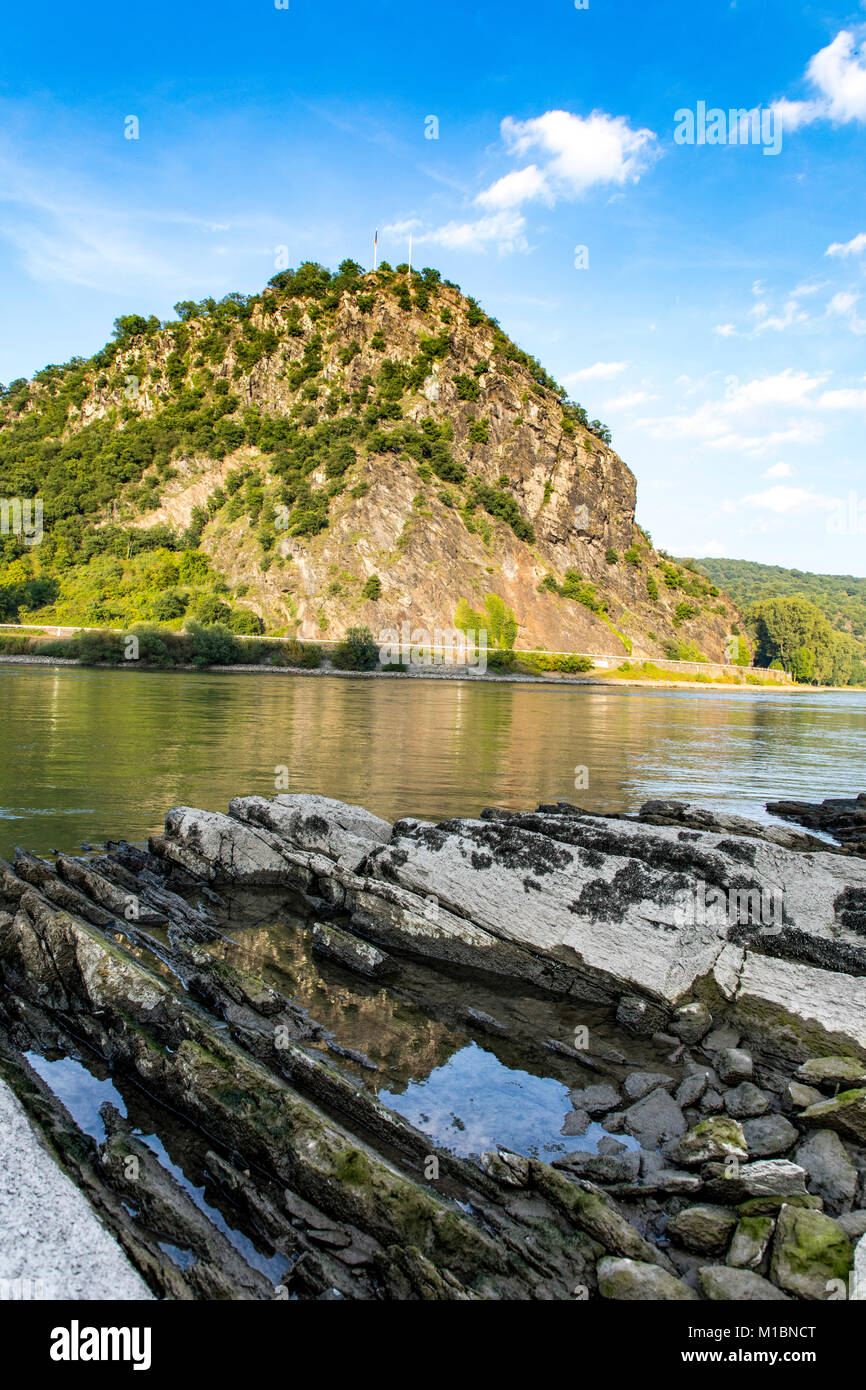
91 754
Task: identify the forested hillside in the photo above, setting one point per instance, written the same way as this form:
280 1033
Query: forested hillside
840 597
344 448
812 624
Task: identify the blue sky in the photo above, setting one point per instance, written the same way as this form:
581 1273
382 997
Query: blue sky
720 325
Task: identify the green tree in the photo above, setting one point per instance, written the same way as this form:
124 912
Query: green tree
357 651
212 610
498 621
803 664
787 628
372 590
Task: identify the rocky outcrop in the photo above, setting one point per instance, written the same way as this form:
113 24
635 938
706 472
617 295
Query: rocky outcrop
843 818
597 907
729 1122
382 433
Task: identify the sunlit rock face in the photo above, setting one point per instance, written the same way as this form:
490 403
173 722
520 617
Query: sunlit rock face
528 502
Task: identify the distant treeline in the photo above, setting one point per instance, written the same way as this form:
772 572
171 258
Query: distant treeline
812 624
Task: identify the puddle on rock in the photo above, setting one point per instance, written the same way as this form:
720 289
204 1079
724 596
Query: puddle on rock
474 1103
79 1089
466 1060
82 1085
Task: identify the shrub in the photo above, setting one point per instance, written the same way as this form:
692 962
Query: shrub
212 610
169 605
652 589
683 613
213 645
611 555
246 623
682 651
305 655
501 661
153 649
569 665
479 431
502 505
14 646
467 387
632 556
372 590
498 621
576 587
356 652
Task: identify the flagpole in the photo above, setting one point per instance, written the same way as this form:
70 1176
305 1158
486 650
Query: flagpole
410 258
376 250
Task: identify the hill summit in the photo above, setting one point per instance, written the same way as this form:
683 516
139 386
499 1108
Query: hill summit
344 448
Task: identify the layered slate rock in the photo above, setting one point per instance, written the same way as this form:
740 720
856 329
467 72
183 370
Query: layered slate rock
842 817
735 1087
603 908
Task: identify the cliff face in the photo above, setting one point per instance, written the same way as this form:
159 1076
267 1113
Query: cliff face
387 431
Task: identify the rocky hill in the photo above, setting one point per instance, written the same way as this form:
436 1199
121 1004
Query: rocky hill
344 448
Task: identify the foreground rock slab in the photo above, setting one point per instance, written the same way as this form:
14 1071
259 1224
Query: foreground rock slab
53 1246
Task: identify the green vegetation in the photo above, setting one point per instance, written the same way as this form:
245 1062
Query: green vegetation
198 645
648 670
372 590
795 633
823 642
574 586
497 621
841 598
682 651
356 652
171 399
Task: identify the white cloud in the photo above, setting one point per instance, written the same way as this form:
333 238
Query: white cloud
790 316
807 287
744 420
599 371
843 400
844 305
796 114
837 74
580 152
778 470
398 229
803 432
576 153
788 499
503 229
839 71
855 247
629 400
785 388
711 548
521 186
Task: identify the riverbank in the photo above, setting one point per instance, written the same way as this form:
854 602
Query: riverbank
597 678
395 1057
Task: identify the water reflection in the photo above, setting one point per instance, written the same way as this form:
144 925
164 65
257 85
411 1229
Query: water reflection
91 754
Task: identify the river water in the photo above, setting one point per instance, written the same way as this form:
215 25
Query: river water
90 754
